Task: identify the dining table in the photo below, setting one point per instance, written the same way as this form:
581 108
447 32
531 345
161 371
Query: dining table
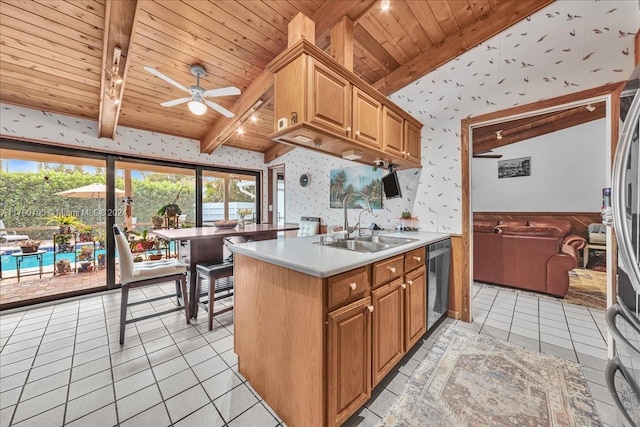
206 245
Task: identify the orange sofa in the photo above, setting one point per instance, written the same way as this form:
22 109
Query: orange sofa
531 255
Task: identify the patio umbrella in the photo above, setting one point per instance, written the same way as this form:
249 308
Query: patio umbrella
91 191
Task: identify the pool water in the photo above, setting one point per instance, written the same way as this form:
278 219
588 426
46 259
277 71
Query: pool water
9 262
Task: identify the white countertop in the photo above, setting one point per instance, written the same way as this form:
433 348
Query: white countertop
305 255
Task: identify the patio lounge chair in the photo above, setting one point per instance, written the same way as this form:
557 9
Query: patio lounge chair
11 236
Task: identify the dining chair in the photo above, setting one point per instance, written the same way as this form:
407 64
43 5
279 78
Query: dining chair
136 275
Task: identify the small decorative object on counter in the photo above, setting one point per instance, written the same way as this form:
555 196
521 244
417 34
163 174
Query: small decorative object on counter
406 222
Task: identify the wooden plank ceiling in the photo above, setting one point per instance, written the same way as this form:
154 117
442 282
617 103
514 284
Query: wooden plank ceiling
58 55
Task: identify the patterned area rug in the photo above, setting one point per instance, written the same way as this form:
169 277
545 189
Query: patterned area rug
468 379
588 288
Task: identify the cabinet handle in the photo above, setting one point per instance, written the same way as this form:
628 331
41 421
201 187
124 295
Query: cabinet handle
410 282
408 154
353 286
404 286
392 269
357 134
370 308
417 258
348 130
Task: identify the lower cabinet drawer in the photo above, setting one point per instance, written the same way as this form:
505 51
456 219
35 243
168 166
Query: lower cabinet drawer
387 270
347 287
414 259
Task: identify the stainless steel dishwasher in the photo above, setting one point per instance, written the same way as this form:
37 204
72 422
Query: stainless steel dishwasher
438 262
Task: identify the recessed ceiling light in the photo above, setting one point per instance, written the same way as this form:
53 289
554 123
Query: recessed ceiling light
385 5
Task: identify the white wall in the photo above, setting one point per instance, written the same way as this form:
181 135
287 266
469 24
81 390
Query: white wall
568 172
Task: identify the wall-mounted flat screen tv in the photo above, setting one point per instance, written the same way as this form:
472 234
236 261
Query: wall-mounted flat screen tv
391 186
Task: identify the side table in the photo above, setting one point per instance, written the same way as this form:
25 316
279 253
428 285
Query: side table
20 256
585 252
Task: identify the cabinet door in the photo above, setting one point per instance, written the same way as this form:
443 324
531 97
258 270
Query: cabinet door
329 99
348 360
412 143
392 132
367 119
388 326
415 306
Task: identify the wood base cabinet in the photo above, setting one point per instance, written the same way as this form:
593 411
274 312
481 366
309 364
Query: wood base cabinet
348 360
388 328
415 302
314 348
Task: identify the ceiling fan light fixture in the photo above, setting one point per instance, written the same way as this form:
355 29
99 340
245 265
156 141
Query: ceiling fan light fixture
197 107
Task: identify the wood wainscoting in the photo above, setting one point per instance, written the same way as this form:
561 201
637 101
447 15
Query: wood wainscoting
579 220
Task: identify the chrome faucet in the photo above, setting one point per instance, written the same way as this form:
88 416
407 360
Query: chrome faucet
344 205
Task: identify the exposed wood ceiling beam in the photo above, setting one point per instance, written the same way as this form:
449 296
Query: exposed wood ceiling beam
331 12
538 126
325 18
497 20
120 18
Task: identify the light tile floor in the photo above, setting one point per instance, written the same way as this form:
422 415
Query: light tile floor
62 364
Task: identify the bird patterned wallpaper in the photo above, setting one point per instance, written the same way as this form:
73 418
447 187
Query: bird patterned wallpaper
569 46
36 125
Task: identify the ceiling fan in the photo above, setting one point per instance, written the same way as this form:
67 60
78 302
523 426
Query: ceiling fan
197 101
482 155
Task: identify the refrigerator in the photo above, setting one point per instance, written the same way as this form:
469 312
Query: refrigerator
623 318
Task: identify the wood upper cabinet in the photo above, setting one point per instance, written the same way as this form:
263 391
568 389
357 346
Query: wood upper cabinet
388 328
330 99
367 119
415 303
412 142
348 360
392 132
338 111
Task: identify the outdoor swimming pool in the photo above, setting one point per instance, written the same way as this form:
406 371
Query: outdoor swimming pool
9 262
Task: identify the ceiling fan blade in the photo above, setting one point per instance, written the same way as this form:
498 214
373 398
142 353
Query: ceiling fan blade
219 108
175 102
223 91
487 156
166 79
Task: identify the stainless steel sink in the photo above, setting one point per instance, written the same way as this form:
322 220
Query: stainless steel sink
369 243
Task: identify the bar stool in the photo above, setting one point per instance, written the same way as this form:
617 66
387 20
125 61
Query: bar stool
217 289
135 275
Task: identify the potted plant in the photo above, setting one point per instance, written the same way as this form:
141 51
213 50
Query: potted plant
30 246
64 242
157 221
407 222
85 234
172 209
63 266
64 222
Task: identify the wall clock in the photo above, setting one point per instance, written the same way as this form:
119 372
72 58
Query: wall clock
304 180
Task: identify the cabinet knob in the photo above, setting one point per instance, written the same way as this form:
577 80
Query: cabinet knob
357 134
410 282
353 286
408 154
392 269
417 258
370 308
348 130
404 286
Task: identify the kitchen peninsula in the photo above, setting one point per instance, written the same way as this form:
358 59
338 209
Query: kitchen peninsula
317 327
